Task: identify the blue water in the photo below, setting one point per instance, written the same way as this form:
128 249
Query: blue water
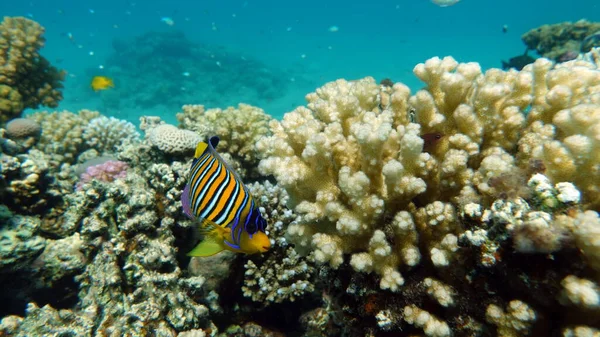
289 40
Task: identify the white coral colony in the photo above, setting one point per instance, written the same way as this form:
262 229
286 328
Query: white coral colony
445 3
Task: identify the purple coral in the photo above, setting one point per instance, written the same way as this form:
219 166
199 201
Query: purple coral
107 171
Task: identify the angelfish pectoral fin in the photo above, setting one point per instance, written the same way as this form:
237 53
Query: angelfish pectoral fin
207 247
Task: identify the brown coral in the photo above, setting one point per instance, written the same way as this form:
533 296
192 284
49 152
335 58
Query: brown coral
554 41
27 80
23 127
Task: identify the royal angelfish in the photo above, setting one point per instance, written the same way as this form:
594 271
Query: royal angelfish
218 200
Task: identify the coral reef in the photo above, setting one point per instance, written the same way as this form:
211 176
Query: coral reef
27 80
62 133
239 129
559 40
411 187
130 252
467 208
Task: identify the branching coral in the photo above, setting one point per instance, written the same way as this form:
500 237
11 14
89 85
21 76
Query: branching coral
27 80
105 134
278 280
385 180
282 275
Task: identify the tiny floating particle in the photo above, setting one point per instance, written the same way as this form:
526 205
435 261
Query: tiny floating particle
334 29
186 74
168 21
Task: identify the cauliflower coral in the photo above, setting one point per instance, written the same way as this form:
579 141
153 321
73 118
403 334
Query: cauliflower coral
366 178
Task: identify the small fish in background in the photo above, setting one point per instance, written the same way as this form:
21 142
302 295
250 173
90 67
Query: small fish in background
505 29
334 29
445 3
218 200
69 36
435 143
518 62
168 21
101 83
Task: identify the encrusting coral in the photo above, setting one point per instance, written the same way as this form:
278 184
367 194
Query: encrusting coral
27 80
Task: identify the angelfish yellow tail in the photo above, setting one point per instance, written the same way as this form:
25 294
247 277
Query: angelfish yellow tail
207 247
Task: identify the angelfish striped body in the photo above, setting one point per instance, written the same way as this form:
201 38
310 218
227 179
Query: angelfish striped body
219 200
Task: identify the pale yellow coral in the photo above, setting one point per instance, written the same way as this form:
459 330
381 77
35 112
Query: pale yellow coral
586 228
581 331
515 321
439 291
378 175
580 292
343 160
431 325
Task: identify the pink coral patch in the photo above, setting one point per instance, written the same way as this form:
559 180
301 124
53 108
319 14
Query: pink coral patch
107 172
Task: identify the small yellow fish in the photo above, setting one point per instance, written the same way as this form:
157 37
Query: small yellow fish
102 83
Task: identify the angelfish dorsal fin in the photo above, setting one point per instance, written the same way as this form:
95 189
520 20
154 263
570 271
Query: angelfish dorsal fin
200 148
